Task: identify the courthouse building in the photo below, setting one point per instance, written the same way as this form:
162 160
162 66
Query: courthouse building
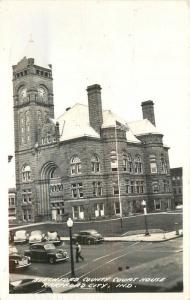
89 163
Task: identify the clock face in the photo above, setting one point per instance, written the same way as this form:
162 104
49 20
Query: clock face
41 92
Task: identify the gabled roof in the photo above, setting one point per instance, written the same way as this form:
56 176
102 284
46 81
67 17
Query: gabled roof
74 123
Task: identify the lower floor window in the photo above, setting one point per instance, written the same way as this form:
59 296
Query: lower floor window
99 209
26 215
157 204
78 212
117 208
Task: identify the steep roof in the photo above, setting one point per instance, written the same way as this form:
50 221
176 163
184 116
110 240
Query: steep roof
74 123
142 127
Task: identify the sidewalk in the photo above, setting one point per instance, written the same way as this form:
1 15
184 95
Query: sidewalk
153 237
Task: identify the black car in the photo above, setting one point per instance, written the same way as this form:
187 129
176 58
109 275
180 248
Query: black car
46 252
88 237
27 286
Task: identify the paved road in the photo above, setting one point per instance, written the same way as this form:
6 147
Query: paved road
105 259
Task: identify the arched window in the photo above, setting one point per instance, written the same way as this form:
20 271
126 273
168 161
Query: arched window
22 128
129 163
163 164
75 165
26 173
138 164
27 122
95 164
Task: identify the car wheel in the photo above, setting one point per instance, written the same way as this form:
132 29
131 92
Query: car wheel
51 260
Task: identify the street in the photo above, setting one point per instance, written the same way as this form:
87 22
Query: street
106 259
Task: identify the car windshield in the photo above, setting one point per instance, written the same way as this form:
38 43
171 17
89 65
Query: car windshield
52 234
20 233
36 232
49 246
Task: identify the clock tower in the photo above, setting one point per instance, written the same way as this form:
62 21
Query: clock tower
33 101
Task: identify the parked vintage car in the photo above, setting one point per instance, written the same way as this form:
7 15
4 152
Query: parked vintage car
53 237
36 236
21 236
17 261
46 252
28 286
88 237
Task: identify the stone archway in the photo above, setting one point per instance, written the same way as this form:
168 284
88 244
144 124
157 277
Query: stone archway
50 174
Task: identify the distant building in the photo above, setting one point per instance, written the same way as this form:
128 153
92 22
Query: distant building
89 163
177 184
12 204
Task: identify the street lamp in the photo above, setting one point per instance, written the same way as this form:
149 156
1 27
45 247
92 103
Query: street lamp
70 225
145 220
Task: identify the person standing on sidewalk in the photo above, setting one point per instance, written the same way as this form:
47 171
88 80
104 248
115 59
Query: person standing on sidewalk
78 252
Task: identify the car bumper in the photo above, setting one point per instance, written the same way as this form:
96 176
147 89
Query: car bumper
23 266
62 258
20 241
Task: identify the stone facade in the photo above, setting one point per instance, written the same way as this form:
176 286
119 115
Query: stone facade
100 173
177 184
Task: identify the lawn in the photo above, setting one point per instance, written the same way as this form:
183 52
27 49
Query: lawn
165 222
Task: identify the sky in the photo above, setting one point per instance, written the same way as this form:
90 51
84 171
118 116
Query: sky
136 51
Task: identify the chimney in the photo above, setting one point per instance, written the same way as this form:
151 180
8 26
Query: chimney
95 106
148 111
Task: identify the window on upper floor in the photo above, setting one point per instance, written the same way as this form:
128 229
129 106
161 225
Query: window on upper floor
97 188
124 161
77 190
95 164
75 165
26 173
129 164
114 162
127 186
115 188
163 164
138 164
153 164
166 185
155 187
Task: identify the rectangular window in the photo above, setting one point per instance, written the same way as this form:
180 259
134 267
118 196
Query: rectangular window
99 209
138 187
153 167
142 187
127 187
115 189
117 208
97 188
78 212
77 190
155 187
132 187
157 204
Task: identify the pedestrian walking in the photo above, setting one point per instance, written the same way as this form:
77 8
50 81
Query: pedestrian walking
78 252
